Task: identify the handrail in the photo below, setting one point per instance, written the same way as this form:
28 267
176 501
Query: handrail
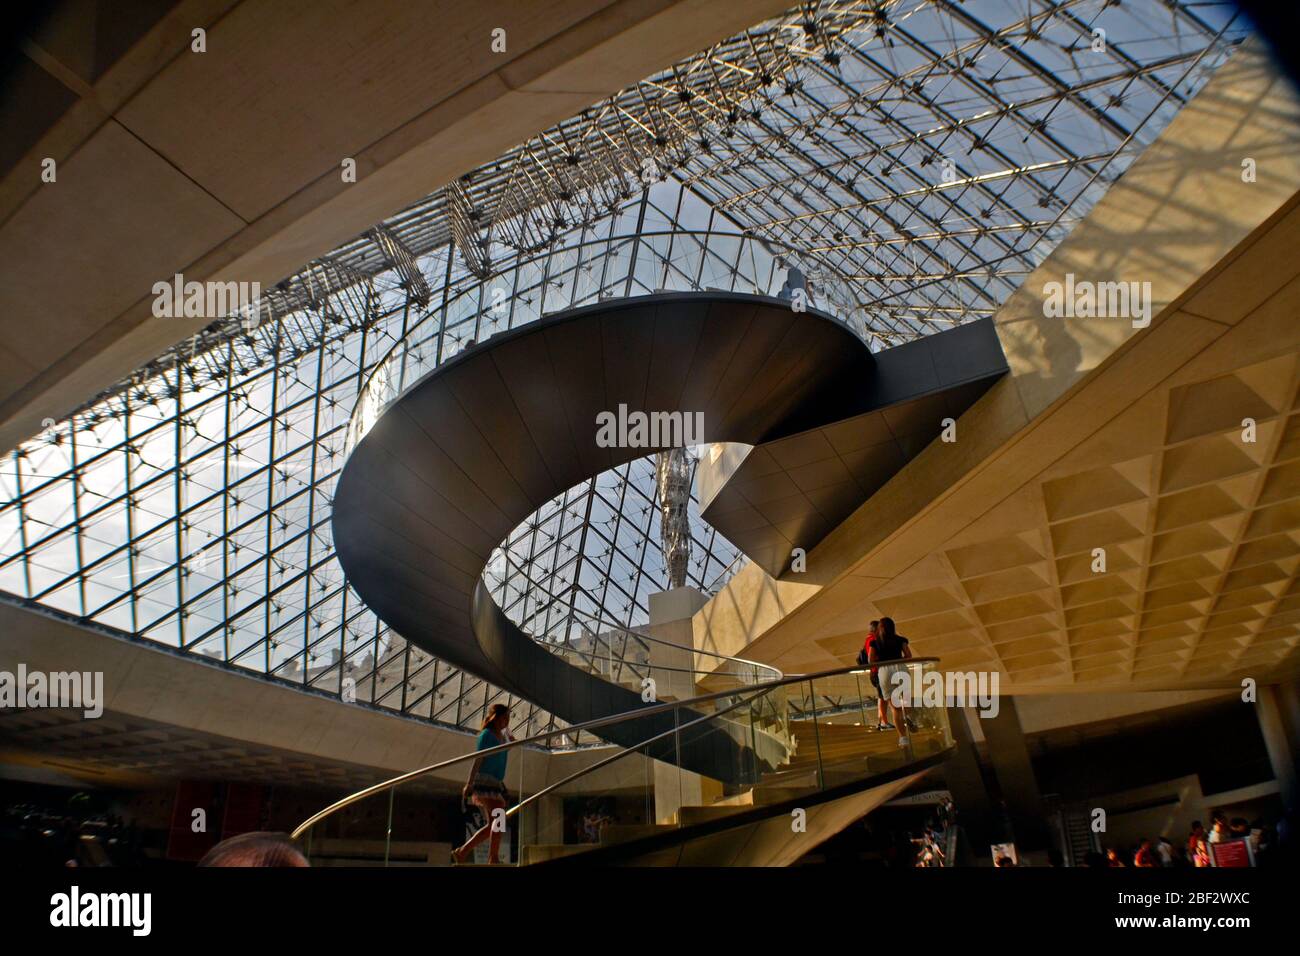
661 707
740 559
626 751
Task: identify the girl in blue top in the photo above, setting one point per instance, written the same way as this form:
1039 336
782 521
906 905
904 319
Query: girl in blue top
486 787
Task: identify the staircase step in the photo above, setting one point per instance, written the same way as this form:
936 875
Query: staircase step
745 799
541 852
864 756
767 796
622 832
800 780
846 754
691 815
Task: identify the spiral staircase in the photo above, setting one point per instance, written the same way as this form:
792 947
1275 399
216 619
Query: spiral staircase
749 762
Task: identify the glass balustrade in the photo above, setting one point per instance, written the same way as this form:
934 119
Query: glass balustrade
747 752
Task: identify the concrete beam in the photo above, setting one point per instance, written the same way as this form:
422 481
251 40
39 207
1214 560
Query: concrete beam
1281 755
187 693
1083 394
225 165
1009 754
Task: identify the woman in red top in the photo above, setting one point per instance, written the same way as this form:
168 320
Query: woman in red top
882 722
1198 851
1144 856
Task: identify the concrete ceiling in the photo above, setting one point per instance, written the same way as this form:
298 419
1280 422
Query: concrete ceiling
226 164
168 715
119 750
1104 436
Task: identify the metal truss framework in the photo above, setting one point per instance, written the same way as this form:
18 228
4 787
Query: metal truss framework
200 519
930 152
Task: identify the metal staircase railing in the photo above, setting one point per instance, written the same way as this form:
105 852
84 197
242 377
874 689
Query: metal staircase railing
829 752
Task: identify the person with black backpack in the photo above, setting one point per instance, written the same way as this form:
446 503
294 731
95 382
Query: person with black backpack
889 645
864 657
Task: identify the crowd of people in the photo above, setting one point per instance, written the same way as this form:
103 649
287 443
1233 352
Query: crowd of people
71 836
932 846
1267 844
80 837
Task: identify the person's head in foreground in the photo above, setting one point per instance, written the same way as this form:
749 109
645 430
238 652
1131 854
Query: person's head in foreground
255 849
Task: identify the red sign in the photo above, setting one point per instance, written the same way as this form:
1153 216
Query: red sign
1232 853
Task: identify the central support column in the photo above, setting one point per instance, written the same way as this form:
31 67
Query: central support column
965 781
1009 754
1276 709
672 668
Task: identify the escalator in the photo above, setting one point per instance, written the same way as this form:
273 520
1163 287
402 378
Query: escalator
758 811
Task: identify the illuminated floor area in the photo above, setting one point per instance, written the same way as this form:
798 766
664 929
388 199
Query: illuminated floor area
605 382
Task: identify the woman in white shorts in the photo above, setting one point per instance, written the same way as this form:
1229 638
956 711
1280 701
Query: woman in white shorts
889 645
